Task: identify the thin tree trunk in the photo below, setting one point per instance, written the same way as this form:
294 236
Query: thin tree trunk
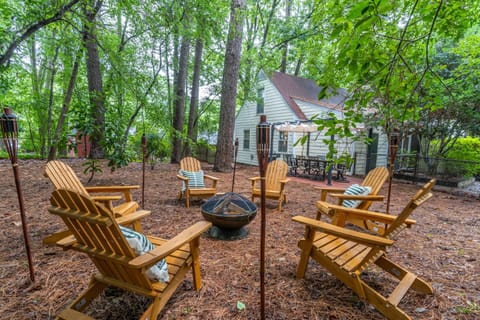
35 87
283 67
179 105
194 100
63 113
50 103
224 155
95 86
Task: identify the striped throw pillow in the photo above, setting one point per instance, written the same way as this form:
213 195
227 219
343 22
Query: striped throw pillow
355 190
195 179
141 245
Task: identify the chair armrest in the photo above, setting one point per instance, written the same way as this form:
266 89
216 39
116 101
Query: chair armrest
368 215
132 217
67 242
182 177
328 190
364 238
171 245
344 233
254 180
111 188
211 177
357 197
284 181
126 190
106 198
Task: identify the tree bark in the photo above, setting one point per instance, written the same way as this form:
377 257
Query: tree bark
95 86
224 155
194 100
283 67
179 105
63 113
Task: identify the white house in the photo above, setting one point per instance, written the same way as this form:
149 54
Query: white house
286 98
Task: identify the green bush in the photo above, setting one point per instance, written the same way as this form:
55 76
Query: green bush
468 150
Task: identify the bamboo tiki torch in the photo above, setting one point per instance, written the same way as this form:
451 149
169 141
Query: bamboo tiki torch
263 149
10 139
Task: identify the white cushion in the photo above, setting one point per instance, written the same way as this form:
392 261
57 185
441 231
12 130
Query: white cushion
195 179
141 245
355 190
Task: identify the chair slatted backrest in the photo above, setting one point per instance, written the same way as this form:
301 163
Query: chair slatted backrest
190 164
62 176
418 199
375 180
276 171
98 235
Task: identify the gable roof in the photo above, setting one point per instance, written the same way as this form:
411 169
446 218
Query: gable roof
292 87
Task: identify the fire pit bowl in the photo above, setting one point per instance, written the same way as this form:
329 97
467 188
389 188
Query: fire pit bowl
228 213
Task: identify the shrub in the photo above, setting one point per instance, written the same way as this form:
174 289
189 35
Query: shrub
467 150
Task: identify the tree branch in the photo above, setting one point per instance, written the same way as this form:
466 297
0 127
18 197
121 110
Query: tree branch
34 28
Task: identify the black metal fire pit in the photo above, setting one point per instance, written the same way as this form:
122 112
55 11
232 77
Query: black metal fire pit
229 213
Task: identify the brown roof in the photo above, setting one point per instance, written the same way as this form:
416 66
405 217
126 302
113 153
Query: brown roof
291 87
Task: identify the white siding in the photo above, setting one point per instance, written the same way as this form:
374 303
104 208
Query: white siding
276 110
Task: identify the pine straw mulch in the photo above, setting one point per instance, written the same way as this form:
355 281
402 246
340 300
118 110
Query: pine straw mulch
443 248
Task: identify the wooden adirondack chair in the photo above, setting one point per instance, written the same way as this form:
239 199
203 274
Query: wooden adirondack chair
275 181
62 176
347 253
98 235
374 179
192 166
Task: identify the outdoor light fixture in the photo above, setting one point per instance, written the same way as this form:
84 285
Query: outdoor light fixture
263 149
9 127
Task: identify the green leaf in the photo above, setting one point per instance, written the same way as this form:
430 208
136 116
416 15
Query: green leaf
240 306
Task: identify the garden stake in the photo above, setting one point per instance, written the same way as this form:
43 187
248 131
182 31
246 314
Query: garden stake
235 162
144 151
263 134
10 134
393 146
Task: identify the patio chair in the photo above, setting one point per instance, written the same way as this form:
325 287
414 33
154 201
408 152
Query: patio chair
346 253
275 181
193 181
114 255
360 198
292 163
62 176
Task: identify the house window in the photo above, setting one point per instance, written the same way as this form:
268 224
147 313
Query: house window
283 142
260 101
246 139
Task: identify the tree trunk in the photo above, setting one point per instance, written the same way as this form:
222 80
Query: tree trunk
48 141
283 67
224 155
179 105
95 86
63 114
192 117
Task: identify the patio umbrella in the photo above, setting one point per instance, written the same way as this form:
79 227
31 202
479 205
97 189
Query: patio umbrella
300 127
